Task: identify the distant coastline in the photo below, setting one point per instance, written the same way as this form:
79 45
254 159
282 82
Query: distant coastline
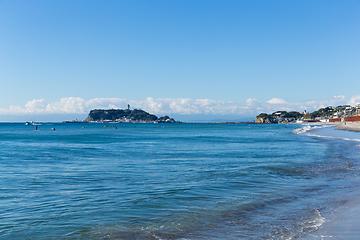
339 114
345 113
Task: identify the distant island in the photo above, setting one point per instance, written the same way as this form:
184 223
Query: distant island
330 114
123 116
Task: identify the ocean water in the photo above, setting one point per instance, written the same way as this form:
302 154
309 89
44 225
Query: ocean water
173 181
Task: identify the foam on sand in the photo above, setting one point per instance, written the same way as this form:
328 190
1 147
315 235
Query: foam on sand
342 224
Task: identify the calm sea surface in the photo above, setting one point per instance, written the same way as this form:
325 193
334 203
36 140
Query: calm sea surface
173 181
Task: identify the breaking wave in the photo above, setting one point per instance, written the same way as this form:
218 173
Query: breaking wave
308 128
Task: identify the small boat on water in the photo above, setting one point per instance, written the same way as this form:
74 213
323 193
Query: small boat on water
30 123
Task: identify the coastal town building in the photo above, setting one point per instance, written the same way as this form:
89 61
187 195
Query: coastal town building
329 114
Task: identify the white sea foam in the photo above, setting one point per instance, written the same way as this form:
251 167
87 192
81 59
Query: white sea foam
350 139
318 221
334 137
308 128
311 225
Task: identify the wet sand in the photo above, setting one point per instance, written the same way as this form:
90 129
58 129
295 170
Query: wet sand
344 222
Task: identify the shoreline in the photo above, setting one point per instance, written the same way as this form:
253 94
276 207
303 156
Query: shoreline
343 222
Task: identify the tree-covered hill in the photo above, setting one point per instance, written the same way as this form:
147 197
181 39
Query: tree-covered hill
278 116
98 115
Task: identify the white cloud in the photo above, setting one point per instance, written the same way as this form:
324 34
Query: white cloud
355 100
35 106
252 102
162 106
66 105
276 101
335 101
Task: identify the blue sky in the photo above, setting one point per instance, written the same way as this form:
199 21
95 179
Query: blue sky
216 59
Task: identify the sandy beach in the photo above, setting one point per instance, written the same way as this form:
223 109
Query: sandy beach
349 126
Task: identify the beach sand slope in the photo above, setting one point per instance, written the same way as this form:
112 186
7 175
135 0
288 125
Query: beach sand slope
344 224
349 126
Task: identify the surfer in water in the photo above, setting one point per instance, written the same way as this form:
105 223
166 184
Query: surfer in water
36 127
